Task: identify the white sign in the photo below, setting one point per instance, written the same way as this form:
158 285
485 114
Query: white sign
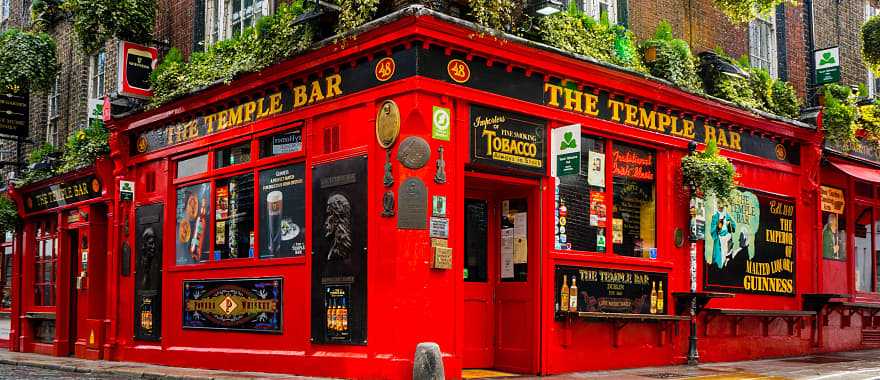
439 228
126 190
566 144
507 253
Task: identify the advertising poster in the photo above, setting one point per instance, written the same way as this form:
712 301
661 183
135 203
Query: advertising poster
598 211
235 304
339 252
233 218
193 208
281 143
596 169
613 291
507 139
282 206
750 244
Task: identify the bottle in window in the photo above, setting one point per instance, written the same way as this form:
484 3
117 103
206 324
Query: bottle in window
563 298
653 298
195 247
660 297
573 296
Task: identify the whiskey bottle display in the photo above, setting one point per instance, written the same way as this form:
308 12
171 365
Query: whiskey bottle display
343 316
653 298
195 247
331 308
563 298
660 299
573 296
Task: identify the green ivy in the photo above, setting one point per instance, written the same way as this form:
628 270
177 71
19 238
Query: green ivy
9 219
742 11
871 44
759 91
96 21
354 13
45 12
784 100
271 40
673 61
37 155
708 172
84 146
840 115
496 14
27 59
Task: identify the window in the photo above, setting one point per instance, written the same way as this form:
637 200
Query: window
834 236
192 166
281 143
26 12
4 12
595 8
53 113
762 43
96 82
627 189
45 262
234 219
234 155
6 271
226 19
193 213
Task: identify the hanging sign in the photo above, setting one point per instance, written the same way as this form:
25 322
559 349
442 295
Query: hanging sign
507 139
750 244
827 64
832 200
61 194
14 112
126 190
566 145
236 304
135 65
611 291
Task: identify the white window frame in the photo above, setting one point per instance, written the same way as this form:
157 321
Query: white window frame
872 79
53 112
755 58
5 10
219 24
593 8
97 77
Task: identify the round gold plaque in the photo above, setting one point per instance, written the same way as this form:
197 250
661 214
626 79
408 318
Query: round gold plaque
387 124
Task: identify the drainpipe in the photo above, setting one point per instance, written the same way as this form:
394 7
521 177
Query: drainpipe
810 37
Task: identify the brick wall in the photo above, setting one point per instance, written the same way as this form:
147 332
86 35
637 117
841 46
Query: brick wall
838 23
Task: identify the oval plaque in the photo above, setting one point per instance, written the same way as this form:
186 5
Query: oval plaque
414 152
387 123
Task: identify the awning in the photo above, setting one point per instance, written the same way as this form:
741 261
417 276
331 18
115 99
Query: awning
861 172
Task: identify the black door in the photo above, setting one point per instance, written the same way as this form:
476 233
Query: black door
75 285
148 273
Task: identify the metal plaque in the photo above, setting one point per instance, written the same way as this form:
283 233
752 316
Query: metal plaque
387 123
414 152
412 206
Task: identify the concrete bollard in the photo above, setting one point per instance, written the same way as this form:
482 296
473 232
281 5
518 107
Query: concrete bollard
428 365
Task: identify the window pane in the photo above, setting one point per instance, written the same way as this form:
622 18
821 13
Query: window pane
833 236
234 219
864 190
582 202
232 156
192 232
192 166
514 240
282 211
476 221
862 244
281 143
633 226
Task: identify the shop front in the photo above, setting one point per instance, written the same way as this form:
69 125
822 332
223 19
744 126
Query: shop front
58 301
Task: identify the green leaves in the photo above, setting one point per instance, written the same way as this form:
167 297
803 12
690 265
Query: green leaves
839 116
353 14
708 172
743 11
96 21
871 43
9 218
84 146
578 33
673 59
496 14
27 59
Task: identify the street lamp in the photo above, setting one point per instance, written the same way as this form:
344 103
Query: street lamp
546 7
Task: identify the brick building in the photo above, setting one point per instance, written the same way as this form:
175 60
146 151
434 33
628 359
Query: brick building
837 23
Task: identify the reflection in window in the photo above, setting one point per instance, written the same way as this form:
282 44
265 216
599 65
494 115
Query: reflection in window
234 219
833 236
862 248
44 263
192 166
234 155
633 224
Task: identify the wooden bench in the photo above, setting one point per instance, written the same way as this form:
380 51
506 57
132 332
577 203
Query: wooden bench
683 300
792 318
620 320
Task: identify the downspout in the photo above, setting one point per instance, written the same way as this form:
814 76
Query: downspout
810 38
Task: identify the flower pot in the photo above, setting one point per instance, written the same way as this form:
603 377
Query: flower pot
821 99
650 54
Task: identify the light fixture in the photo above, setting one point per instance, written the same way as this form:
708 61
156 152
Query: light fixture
547 7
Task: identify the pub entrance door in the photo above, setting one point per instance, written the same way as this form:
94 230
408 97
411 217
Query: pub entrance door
501 245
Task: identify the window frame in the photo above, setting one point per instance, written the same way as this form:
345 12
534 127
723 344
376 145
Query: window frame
218 20
5 11
45 230
772 59
53 111
592 8
97 82
7 267
253 167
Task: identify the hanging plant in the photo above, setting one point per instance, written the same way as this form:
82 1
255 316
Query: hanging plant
496 14
41 165
96 21
27 59
45 13
575 32
871 44
707 172
84 146
742 11
839 116
354 13
671 58
9 218
271 40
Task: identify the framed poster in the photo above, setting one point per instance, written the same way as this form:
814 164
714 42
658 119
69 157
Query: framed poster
750 244
192 232
339 252
233 305
283 210
611 291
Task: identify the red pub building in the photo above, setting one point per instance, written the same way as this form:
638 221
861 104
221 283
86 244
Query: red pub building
424 182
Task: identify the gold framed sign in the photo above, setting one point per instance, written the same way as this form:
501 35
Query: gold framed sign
387 123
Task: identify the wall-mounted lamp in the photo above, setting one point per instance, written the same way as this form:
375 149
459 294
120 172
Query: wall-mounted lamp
546 7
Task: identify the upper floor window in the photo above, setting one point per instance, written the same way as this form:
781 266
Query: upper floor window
53 112
762 43
595 8
96 82
4 12
225 19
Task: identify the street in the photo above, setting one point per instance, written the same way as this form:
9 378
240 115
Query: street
13 372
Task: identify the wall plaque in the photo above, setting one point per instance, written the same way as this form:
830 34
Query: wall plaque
387 123
414 152
413 205
235 304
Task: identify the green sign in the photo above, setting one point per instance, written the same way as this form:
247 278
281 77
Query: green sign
827 65
440 121
567 150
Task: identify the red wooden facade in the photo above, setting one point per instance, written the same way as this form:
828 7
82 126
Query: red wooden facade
504 313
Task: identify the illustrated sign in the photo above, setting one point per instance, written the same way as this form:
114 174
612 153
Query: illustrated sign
14 112
612 291
136 64
827 63
126 190
832 200
235 304
148 272
566 145
193 213
507 139
339 252
750 244
281 143
282 206
61 194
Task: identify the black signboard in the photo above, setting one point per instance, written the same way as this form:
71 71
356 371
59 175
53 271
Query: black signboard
61 194
750 244
234 304
148 272
339 252
138 67
507 139
611 290
283 210
14 112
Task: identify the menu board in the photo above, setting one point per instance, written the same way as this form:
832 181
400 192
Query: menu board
282 204
193 213
611 290
750 244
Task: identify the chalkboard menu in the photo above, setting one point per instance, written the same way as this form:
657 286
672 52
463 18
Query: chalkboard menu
611 290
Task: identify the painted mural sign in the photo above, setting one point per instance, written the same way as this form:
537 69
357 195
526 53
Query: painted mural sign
750 244
61 194
611 291
235 304
339 252
507 139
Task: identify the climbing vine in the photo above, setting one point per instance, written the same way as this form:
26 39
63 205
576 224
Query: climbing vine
496 14
96 21
27 59
742 11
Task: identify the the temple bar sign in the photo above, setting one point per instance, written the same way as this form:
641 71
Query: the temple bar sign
136 64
